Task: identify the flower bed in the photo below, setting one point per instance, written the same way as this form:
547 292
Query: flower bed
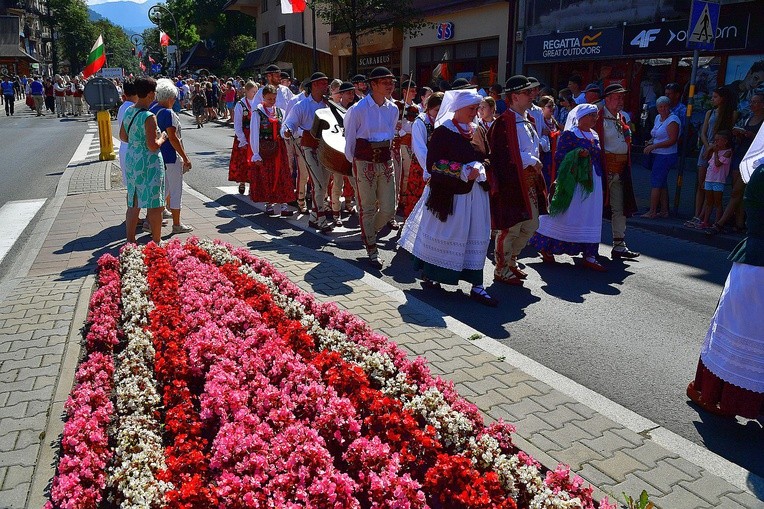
211 380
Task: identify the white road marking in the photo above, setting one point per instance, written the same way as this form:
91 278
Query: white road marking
14 218
81 154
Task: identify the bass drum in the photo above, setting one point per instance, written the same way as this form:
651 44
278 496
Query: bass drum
327 128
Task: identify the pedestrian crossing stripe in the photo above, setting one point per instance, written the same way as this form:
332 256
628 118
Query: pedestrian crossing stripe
14 218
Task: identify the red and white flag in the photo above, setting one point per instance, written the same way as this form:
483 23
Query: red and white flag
292 6
164 39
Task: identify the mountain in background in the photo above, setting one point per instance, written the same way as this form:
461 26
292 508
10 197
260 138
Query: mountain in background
131 16
94 16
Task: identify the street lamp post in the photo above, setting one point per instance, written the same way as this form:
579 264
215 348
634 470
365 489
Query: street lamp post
155 16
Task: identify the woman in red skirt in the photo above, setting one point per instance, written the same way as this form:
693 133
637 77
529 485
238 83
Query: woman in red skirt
241 154
271 180
421 130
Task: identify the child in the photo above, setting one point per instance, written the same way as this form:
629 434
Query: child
716 176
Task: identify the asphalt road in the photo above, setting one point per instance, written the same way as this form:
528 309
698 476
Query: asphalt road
34 153
632 334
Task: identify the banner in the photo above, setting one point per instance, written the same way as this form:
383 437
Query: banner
579 45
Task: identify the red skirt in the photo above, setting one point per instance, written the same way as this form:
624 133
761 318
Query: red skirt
414 187
272 181
718 397
241 164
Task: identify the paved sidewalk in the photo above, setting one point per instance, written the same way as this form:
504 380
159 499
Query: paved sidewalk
41 313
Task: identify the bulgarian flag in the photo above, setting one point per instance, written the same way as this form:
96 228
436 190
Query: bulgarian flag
96 58
164 39
292 6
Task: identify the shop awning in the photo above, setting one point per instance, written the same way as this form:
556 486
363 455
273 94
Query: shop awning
13 51
287 54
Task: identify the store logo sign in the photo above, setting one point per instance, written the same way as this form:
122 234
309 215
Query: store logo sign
645 37
445 31
604 42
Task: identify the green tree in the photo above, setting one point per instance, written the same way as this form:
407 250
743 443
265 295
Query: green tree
118 46
76 34
238 47
358 17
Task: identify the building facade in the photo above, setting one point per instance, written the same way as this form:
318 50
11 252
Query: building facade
35 36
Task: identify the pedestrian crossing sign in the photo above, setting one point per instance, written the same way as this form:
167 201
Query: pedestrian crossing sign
704 21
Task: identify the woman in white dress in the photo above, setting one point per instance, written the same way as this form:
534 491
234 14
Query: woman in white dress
450 227
574 224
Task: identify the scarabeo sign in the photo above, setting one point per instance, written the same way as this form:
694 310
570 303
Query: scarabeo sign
604 42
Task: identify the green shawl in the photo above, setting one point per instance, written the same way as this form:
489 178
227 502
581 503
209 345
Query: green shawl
573 170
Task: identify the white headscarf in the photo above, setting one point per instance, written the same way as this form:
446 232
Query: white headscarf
754 157
577 113
454 100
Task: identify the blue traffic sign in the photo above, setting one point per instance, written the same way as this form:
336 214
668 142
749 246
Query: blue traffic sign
704 21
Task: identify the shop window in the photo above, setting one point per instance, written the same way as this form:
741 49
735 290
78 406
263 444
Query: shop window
264 5
424 55
282 33
489 48
466 50
266 39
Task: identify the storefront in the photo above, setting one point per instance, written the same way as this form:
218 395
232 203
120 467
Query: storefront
469 43
374 50
644 57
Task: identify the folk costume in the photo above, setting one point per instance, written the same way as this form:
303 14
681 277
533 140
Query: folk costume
730 375
518 192
271 181
241 154
421 132
574 223
615 139
300 118
551 133
405 155
449 230
369 133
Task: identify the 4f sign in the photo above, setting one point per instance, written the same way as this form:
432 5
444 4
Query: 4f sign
445 31
704 21
645 37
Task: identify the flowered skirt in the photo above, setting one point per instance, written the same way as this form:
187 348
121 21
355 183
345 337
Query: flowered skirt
414 188
241 164
272 181
555 247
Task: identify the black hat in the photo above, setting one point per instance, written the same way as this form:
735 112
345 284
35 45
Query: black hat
345 87
285 75
593 87
461 84
615 88
271 69
358 78
316 76
517 83
408 84
534 81
380 73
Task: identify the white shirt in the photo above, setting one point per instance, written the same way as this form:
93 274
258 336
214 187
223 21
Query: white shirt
527 140
369 121
254 129
660 133
538 117
120 152
406 124
283 96
297 98
419 142
238 115
615 141
301 115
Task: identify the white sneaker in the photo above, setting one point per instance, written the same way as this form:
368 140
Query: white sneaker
182 228
166 214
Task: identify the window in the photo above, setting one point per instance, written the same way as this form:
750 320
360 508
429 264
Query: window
266 38
264 6
282 33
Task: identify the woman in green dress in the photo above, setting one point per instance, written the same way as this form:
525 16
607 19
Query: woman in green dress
144 167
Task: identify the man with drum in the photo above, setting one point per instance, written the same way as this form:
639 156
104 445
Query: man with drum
369 131
301 117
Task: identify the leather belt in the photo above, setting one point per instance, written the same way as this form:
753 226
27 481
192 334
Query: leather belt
372 151
308 140
406 140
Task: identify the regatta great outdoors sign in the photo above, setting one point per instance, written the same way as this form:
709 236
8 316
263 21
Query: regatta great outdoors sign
603 42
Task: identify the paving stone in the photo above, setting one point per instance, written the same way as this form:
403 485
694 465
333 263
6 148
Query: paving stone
17 475
598 478
549 399
649 453
619 465
746 500
576 455
19 385
609 442
528 424
728 503
15 497
43 394
562 415
8 441
710 488
518 391
485 384
680 498
633 487
523 408
691 469
16 409
664 476
542 442
24 457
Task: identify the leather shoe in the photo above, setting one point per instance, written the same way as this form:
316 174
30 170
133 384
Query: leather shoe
511 281
519 273
394 225
483 298
374 260
595 266
623 254
547 257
